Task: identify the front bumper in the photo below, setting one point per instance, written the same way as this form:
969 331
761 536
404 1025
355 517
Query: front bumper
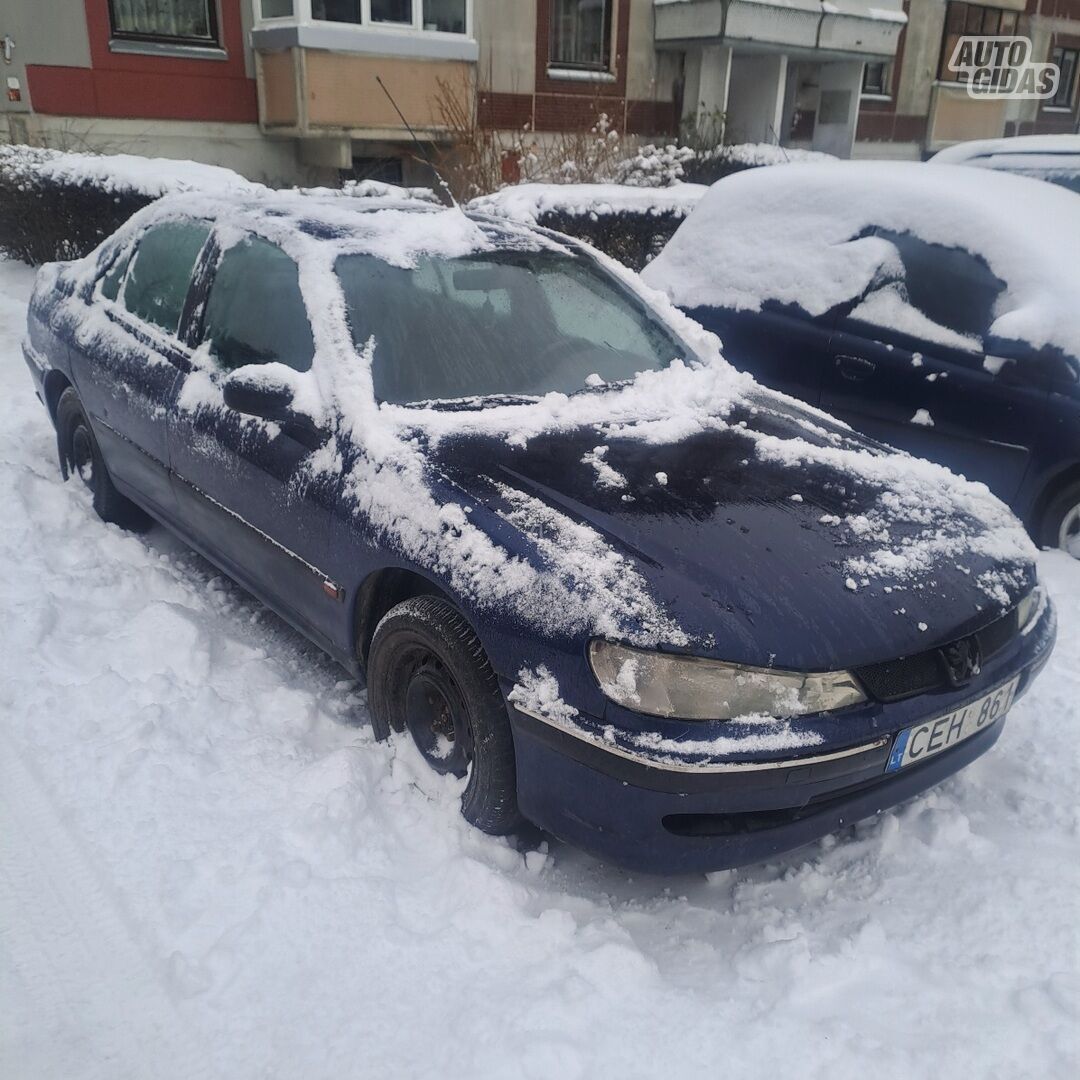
673 818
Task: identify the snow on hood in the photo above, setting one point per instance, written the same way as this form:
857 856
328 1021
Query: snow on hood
586 583
796 235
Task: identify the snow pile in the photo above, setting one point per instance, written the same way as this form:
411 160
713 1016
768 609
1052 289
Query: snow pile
119 173
529 202
799 235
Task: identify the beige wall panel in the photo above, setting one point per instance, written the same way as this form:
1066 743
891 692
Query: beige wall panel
342 91
279 88
957 117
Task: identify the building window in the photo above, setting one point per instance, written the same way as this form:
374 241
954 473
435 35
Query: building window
347 11
968 20
277 9
445 16
392 11
185 21
448 16
581 34
1067 62
877 79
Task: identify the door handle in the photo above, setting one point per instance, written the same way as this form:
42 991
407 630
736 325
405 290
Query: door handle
855 368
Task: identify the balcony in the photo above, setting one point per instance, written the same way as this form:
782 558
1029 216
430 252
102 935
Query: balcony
318 61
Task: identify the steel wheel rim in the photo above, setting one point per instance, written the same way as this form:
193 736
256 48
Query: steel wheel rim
435 714
1069 534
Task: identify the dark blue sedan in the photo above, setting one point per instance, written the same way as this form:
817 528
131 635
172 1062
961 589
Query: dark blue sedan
622 591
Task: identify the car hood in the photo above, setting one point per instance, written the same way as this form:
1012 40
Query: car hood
774 536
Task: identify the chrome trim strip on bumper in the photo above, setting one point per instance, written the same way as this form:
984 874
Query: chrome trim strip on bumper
642 758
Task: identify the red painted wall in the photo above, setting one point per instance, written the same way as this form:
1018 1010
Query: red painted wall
134 86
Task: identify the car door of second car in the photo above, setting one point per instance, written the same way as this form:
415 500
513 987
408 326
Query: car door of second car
910 368
781 346
246 498
126 367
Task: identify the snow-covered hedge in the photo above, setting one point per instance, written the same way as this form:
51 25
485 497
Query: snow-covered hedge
61 205
708 166
629 223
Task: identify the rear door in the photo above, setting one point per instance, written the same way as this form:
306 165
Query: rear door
910 367
126 364
244 489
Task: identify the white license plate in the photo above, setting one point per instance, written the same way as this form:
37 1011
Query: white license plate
923 741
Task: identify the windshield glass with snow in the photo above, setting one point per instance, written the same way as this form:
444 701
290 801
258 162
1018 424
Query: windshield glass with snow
509 323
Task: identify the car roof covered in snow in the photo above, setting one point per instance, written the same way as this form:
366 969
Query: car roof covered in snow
317 225
801 234
1018 149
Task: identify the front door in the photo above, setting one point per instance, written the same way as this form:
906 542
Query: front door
910 367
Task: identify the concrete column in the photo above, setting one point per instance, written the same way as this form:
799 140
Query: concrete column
711 100
756 86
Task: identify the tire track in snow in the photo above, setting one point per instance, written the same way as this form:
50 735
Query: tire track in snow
73 973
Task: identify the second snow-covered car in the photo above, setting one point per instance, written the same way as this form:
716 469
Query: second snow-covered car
935 309
633 597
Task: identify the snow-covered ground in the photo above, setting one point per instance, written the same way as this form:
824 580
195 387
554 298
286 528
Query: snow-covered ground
209 869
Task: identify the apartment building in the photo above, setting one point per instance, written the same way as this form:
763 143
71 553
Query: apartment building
289 90
307 90
913 104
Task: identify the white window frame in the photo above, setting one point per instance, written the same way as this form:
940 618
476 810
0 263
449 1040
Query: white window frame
302 16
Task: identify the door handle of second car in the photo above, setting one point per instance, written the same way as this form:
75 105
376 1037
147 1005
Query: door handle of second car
855 368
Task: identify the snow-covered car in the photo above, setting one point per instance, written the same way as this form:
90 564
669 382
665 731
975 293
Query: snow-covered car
619 589
934 309
1054 158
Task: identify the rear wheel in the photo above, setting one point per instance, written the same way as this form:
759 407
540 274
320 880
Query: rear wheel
81 456
1061 521
428 675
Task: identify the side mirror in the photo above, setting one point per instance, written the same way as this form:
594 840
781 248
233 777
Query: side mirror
258 390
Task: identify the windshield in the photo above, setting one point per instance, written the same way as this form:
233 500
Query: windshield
509 323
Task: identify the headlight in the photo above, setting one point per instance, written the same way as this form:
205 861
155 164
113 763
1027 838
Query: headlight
694 688
1030 608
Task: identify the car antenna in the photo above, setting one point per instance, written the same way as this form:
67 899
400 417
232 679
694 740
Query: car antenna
423 153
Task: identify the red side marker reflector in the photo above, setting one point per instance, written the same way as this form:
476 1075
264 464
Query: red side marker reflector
335 592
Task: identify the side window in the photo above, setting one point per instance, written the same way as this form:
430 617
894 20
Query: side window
110 282
946 295
255 313
157 284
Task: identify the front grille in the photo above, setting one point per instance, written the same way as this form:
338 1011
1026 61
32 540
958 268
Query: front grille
895 680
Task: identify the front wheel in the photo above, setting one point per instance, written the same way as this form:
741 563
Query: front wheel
1061 521
428 675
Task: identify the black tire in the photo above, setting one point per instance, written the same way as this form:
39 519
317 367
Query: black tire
80 455
427 673
1060 527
